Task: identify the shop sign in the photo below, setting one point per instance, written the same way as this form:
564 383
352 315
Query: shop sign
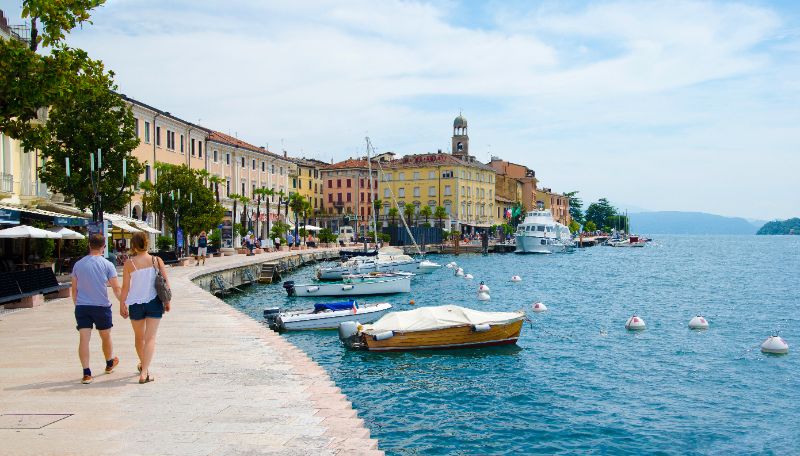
9 216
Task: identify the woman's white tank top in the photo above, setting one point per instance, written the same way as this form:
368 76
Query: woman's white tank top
143 285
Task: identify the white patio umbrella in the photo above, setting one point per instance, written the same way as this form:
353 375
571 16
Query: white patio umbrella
27 232
66 233
312 228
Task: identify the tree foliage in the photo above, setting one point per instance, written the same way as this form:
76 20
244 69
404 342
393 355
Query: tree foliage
575 206
57 18
440 213
790 226
408 212
574 226
393 213
92 118
599 213
180 188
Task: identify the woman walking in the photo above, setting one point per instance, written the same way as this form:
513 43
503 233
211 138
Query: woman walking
140 301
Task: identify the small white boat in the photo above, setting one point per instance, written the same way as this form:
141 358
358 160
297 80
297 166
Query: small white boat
325 315
354 285
389 259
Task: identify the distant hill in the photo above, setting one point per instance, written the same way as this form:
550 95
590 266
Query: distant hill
791 226
676 222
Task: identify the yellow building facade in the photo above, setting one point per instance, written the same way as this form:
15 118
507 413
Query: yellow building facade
305 179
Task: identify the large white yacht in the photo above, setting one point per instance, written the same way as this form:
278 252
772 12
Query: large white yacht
539 233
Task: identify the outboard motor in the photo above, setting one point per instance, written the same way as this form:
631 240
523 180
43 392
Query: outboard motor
348 333
289 287
271 316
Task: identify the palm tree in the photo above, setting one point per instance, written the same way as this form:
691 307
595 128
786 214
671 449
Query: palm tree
257 193
393 213
377 205
297 203
440 213
245 201
280 200
269 193
307 211
425 211
216 180
408 211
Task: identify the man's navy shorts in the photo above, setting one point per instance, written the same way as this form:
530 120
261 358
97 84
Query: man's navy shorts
152 309
98 316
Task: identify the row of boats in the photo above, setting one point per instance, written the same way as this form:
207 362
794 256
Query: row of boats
375 327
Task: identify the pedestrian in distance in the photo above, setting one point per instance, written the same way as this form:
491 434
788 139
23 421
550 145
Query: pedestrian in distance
139 301
202 248
91 276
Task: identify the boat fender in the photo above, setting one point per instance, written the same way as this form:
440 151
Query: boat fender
312 289
347 287
383 335
347 329
289 287
481 328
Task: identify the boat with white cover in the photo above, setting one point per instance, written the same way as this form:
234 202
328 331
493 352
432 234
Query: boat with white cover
539 233
354 285
388 259
437 327
325 315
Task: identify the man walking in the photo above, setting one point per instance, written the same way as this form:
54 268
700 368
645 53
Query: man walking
202 247
90 276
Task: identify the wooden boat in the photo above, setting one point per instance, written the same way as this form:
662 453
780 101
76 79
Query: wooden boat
354 285
441 327
325 315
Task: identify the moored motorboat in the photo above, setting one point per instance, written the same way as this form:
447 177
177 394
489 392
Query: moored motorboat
354 285
325 315
540 233
437 327
388 259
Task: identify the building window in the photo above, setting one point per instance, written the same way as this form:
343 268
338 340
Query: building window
244 183
416 192
254 164
463 192
136 127
273 168
349 197
243 162
228 159
401 192
227 187
309 184
362 197
401 176
181 143
339 197
338 183
330 183
432 191
191 145
447 174
158 136
147 172
263 166
349 183
330 197
431 174
215 156
253 193
170 145
416 176
447 191
361 183
200 149
387 177
294 182
281 169
147 132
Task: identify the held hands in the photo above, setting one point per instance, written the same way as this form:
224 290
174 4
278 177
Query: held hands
123 310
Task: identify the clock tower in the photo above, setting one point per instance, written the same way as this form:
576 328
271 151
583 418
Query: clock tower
460 137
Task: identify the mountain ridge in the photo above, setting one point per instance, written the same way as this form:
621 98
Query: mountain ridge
687 222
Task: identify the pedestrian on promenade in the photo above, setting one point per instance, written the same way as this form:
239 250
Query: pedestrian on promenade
202 247
290 240
90 277
140 302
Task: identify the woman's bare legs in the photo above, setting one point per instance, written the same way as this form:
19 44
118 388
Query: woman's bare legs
138 335
149 347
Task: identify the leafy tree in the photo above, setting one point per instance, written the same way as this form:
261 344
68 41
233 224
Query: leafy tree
618 222
408 212
440 213
326 235
181 188
93 117
425 211
57 18
599 213
574 226
590 226
297 203
216 181
279 230
575 206
790 226
393 213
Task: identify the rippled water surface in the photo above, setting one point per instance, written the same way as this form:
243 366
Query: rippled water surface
578 382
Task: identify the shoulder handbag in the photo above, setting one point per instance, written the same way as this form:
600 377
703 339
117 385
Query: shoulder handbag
162 289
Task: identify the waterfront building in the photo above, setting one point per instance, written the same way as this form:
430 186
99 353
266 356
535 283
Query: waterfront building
305 179
522 174
557 203
346 192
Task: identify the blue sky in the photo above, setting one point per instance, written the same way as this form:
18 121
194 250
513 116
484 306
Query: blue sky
661 105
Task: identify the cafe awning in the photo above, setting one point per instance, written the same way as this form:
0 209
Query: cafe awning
145 227
124 226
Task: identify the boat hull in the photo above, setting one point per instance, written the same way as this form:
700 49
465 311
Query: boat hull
331 320
447 338
377 287
336 273
533 244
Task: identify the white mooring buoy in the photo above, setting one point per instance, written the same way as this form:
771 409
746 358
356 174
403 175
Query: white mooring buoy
539 307
459 272
698 322
483 287
516 278
451 265
635 323
483 296
775 345
469 277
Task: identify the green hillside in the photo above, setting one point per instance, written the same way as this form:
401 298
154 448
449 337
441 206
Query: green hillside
791 226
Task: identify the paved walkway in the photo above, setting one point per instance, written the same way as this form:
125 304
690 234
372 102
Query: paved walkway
224 385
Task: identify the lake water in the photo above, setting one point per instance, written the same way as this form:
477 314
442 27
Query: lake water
578 382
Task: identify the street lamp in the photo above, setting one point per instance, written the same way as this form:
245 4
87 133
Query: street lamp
95 176
175 208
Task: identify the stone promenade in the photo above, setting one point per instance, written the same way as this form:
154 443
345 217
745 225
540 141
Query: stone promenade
225 385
